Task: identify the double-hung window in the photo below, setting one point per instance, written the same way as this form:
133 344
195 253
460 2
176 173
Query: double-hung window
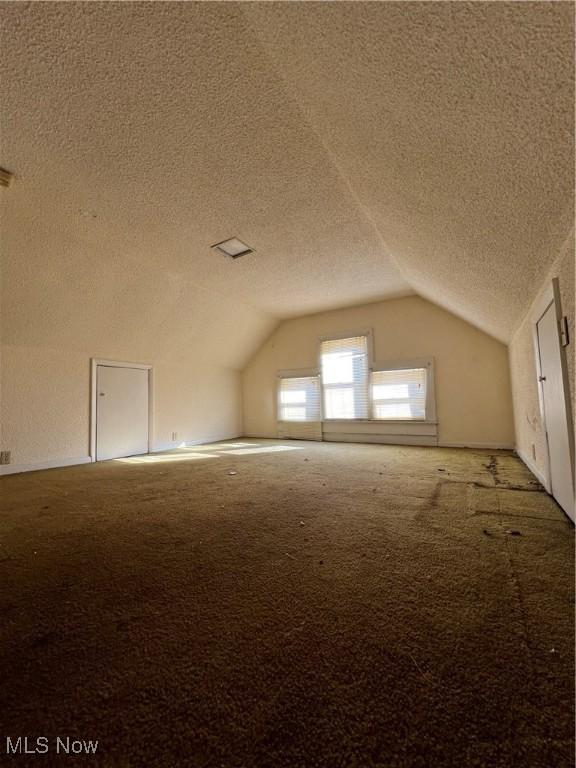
345 377
299 410
350 387
299 399
399 394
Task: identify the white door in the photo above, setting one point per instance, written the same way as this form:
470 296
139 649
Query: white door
556 420
121 412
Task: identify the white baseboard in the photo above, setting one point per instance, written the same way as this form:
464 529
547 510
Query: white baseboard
481 446
536 471
13 469
423 440
160 447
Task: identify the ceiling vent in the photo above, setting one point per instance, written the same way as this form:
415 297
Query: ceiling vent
233 248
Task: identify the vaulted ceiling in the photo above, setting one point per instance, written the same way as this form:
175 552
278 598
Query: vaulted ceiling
365 150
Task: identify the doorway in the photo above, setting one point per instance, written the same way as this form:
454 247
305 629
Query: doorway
555 406
121 409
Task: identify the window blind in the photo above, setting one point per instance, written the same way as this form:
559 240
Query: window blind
299 408
345 387
399 394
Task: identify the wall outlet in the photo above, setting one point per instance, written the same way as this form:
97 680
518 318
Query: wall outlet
174 436
5 457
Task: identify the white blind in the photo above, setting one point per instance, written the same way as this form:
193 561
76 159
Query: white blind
399 394
299 399
345 378
299 408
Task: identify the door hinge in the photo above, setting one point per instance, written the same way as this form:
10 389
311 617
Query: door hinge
564 335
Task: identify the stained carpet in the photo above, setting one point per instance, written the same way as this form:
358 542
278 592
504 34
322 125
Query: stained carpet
329 605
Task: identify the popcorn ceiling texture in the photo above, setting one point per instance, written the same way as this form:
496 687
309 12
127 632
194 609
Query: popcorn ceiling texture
162 128
366 151
159 129
453 124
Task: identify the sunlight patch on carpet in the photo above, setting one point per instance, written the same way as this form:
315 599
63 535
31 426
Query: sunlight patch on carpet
270 449
162 458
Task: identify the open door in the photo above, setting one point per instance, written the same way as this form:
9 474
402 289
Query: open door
556 407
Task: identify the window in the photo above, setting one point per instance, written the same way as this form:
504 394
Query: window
299 399
399 394
344 365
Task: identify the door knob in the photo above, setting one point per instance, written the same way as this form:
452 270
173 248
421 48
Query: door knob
101 394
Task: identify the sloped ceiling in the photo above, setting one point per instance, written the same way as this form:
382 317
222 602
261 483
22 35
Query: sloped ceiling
453 125
364 150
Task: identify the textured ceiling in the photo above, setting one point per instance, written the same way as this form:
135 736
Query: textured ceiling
453 124
364 151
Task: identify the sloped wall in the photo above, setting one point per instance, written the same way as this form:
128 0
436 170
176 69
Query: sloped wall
473 396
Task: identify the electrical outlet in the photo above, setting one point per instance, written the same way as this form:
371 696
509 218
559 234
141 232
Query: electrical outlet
174 436
5 457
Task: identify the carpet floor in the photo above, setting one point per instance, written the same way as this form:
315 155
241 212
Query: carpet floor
288 605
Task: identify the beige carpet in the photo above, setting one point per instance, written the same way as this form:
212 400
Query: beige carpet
329 605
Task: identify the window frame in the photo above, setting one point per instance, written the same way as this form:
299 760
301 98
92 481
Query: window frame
403 365
383 365
297 373
366 332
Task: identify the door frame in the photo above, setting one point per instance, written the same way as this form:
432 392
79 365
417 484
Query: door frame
94 363
551 295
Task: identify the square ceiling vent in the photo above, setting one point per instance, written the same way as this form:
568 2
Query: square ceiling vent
234 248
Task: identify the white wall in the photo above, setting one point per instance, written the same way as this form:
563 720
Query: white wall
530 435
67 300
473 395
47 409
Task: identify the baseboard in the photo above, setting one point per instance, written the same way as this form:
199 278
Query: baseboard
536 471
481 446
161 447
13 469
423 440
250 436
